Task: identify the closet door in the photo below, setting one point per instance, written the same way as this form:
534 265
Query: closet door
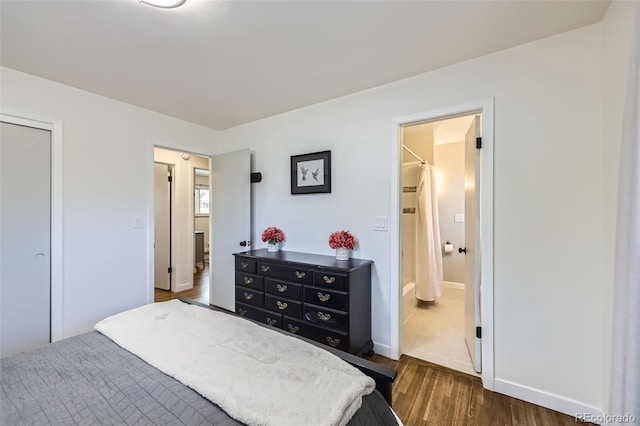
25 238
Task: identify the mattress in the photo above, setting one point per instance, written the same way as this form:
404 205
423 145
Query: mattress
88 379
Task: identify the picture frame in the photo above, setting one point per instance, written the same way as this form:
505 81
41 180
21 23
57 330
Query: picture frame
311 173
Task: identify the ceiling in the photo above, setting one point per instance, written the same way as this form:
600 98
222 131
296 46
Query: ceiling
224 63
450 130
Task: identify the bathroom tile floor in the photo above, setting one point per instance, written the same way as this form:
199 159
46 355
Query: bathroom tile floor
435 332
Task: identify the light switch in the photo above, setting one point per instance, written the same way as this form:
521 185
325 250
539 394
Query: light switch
380 223
458 217
138 223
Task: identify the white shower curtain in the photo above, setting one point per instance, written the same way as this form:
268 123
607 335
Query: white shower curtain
625 366
428 251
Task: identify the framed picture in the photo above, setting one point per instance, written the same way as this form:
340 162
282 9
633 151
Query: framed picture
311 173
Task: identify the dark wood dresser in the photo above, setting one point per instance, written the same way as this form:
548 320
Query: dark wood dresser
318 297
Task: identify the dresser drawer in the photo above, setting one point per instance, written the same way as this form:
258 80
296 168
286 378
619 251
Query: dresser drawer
245 265
260 315
330 280
326 298
326 317
287 273
284 306
283 288
309 294
331 338
249 280
249 296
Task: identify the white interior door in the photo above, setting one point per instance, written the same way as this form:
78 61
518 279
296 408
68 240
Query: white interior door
25 241
230 215
162 226
472 241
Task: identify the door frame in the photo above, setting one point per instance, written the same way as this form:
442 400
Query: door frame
151 144
53 125
485 107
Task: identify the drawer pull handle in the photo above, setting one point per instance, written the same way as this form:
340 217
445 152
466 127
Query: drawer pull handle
300 275
282 305
248 280
244 265
294 329
248 296
281 288
271 321
329 280
333 342
242 312
323 297
323 316
265 268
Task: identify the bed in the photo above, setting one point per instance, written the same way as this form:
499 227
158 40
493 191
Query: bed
89 379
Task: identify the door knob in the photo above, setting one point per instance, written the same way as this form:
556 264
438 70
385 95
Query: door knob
462 250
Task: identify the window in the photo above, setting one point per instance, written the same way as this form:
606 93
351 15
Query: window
202 201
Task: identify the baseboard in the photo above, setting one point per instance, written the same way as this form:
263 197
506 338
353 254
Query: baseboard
451 284
184 286
381 349
577 410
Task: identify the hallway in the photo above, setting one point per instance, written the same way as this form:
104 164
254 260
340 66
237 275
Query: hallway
199 292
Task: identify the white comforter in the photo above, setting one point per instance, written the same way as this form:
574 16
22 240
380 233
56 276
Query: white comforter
258 376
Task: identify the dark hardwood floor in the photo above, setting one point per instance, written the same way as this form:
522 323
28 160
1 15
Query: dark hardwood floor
428 394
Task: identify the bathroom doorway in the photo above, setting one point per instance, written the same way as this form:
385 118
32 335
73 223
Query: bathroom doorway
435 259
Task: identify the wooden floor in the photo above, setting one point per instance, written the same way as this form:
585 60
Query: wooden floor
199 292
428 394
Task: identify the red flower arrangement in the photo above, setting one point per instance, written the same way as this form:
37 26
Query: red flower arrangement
342 239
273 235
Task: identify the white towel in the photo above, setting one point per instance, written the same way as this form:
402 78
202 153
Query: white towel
258 376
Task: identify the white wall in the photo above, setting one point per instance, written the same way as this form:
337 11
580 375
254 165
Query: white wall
617 27
548 172
107 181
418 139
449 162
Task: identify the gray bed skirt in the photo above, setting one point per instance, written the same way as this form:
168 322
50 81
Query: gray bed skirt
89 380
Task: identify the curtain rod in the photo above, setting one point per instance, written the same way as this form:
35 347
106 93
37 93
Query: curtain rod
414 154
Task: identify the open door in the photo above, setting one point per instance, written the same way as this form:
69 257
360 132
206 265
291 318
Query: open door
472 241
162 227
230 226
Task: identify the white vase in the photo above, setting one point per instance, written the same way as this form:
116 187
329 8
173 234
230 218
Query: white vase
273 246
342 253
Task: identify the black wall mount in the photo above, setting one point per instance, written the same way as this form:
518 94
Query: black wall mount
256 177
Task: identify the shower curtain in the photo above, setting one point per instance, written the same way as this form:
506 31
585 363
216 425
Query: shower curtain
428 252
